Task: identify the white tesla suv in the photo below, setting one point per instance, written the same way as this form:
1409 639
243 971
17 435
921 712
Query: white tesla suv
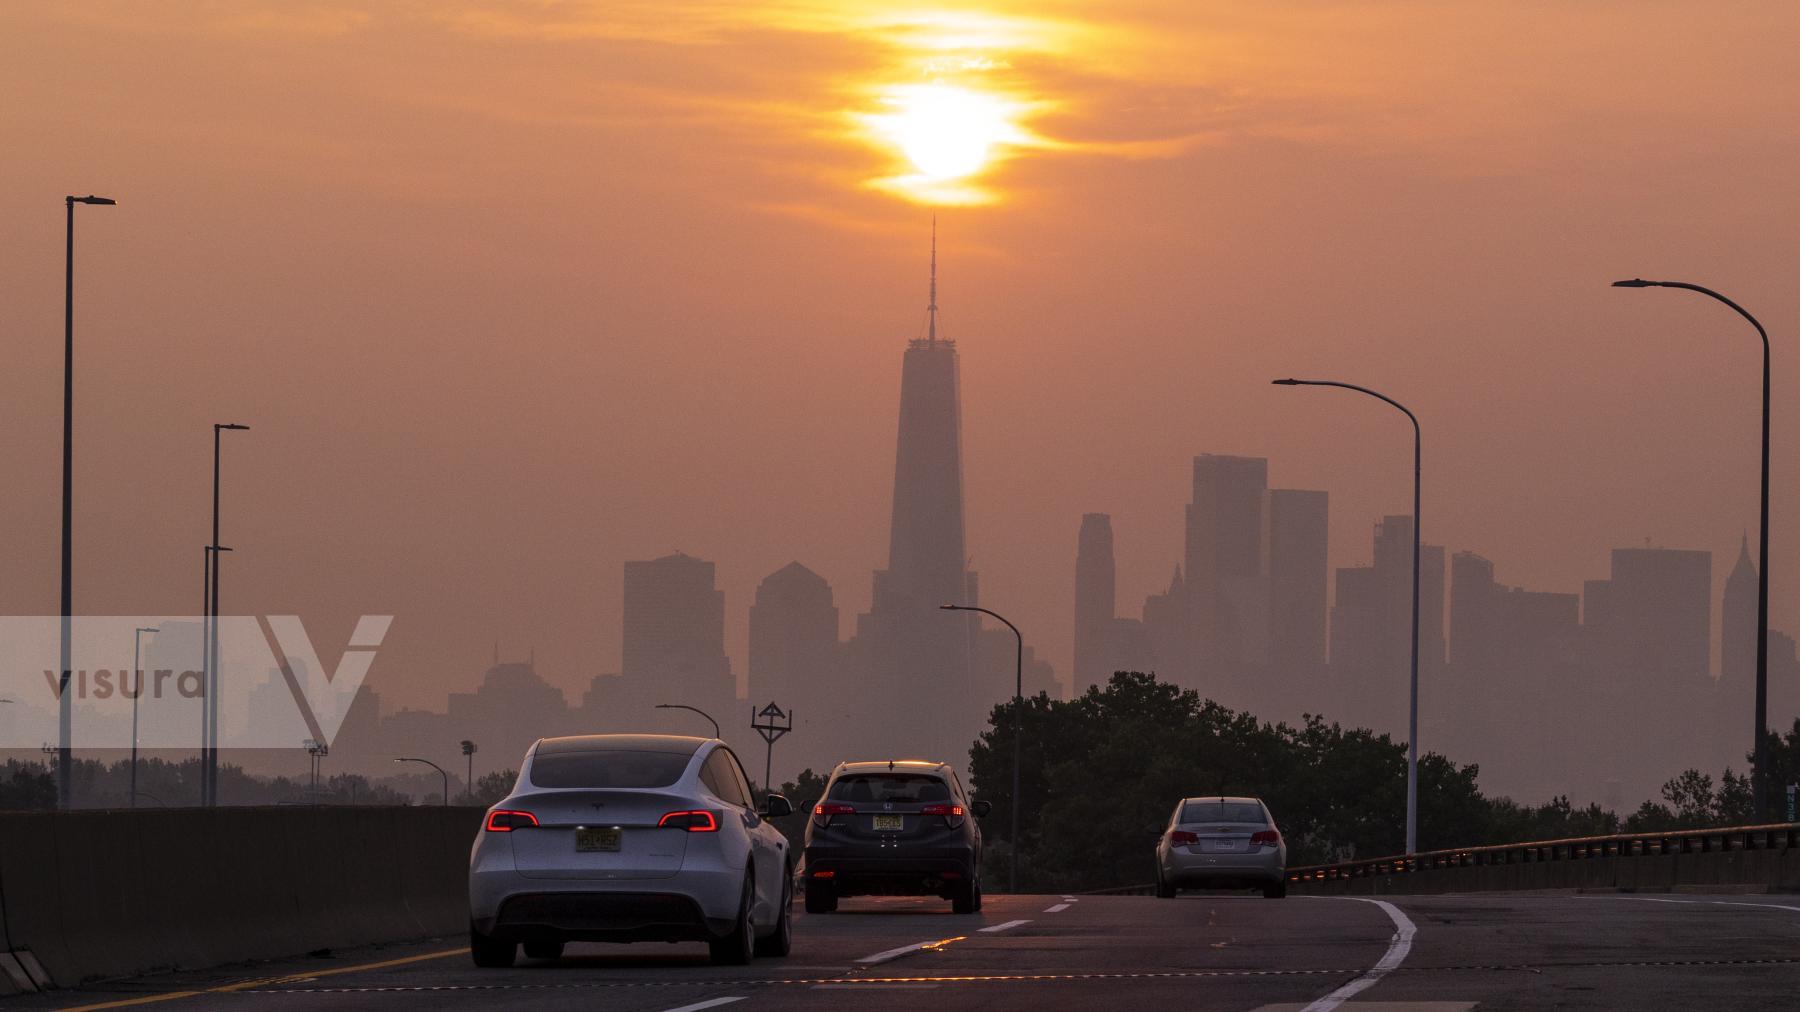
626 838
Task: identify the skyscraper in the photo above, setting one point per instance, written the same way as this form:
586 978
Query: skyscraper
1299 522
905 648
1737 625
1226 575
795 660
674 640
1095 604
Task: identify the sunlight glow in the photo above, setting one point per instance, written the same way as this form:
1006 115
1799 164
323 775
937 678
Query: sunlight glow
947 132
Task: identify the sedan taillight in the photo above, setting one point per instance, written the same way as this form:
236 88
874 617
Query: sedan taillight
699 821
503 821
1181 837
1265 838
824 810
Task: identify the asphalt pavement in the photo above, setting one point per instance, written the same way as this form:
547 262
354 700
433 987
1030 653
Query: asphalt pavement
1199 951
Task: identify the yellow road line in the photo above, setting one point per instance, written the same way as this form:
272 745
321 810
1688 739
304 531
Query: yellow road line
244 985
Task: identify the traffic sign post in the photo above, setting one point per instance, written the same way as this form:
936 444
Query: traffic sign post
771 728
1791 791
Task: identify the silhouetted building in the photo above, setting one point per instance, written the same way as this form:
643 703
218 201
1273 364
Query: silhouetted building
1371 634
1299 522
1737 624
905 648
796 660
1167 642
1095 605
510 709
1226 577
674 638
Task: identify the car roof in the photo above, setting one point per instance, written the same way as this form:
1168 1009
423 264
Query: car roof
678 743
1223 800
890 765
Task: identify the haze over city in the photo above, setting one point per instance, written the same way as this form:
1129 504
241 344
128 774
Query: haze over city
513 296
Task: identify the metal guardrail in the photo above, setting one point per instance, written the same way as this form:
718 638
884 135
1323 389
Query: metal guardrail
1774 836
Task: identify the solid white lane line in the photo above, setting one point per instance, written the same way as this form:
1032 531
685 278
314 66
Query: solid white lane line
1059 908
1704 903
990 929
709 1003
1398 947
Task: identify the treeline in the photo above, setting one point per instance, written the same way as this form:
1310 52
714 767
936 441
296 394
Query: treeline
1101 774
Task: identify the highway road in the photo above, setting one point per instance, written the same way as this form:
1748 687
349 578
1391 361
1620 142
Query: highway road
1200 951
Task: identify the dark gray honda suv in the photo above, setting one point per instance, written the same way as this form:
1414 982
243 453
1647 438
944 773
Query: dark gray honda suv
894 828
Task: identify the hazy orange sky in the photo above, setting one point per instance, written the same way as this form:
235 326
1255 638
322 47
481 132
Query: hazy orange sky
511 294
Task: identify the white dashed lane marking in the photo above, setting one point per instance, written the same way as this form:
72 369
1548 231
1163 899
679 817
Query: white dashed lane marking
1057 909
990 929
709 1003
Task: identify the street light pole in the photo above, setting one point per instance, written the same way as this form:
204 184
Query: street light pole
65 765
435 766
137 693
211 702
1412 719
1759 769
1012 870
207 716
696 709
468 751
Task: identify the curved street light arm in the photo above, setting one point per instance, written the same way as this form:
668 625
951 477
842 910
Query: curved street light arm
696 709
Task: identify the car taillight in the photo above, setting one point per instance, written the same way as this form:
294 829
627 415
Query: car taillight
1180 837
824 810
953 814
699 821
503 821
1265 838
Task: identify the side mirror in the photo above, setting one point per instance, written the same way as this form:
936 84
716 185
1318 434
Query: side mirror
981 808
775 806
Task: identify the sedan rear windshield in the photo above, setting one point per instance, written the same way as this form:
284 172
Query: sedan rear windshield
905 788
1222 811
608 768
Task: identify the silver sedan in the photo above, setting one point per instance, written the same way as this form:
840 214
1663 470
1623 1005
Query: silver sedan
1221 843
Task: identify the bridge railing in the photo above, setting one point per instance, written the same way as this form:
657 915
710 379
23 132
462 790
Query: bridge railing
1772 836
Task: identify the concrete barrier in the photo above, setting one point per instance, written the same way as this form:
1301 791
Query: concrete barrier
105 894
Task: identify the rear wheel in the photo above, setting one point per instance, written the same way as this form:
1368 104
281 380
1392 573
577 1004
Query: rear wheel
780 942
966 898
1275 890
490 952
821 897
543 950
737 947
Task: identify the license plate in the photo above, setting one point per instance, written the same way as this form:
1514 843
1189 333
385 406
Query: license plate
1224 845
893 822
597 839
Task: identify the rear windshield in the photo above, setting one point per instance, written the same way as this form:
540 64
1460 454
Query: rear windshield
608 768
906 788
1222 811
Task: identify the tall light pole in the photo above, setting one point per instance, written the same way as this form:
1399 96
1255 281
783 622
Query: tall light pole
696 709
1759 756
1412 719
1012 868
65 766
435 766
137 692
469 749
211 702
206 631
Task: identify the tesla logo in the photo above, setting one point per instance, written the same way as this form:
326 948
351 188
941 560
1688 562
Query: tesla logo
888 806
599 804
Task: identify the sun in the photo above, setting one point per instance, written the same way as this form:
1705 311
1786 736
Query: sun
948 132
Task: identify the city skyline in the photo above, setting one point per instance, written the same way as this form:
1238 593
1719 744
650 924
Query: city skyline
594 384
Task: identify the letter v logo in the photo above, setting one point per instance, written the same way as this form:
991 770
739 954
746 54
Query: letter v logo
324 697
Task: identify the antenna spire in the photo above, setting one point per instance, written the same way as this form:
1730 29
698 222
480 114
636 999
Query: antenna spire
931 310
